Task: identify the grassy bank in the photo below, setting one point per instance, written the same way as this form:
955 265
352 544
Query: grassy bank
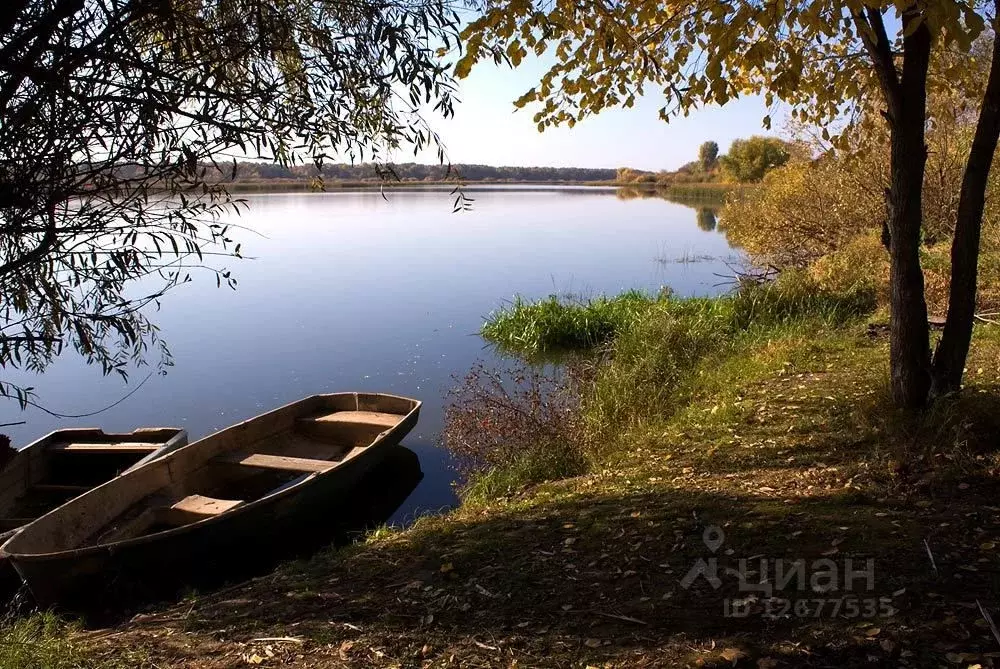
762 414
645 357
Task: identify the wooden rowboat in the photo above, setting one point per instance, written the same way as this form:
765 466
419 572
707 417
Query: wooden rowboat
65 464
215 500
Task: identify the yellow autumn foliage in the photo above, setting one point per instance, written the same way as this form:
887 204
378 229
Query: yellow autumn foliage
803 211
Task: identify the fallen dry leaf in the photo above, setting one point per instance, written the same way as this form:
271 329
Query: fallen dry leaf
733 655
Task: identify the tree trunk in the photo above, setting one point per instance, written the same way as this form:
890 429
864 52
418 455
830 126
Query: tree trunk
909 344
949 359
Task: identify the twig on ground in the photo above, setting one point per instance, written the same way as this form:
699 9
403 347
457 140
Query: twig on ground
989 621
616 616
931 556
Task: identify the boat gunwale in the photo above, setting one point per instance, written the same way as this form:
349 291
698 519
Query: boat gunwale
135 435
283 491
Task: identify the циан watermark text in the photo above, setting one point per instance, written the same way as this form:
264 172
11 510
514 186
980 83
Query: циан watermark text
785 588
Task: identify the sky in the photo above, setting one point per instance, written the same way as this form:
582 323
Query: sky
486 128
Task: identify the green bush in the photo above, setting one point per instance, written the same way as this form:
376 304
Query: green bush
748 160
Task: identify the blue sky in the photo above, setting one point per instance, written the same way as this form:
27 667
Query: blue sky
487 130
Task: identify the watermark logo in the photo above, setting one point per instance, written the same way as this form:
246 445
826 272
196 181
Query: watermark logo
707 569
782 587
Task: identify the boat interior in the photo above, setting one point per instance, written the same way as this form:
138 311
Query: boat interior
68 464
253 464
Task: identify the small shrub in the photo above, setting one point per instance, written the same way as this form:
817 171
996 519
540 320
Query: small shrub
511 427
863 261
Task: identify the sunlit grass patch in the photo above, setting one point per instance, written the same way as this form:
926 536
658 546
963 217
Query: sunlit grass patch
514 430
44 641
38 641
694 347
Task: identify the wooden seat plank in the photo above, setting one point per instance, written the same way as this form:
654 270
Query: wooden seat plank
281 462
193 508
205 506
351 428
130 447
373 418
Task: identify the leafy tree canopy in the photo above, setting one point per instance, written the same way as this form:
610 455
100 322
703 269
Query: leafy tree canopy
748 160
697 53
708 154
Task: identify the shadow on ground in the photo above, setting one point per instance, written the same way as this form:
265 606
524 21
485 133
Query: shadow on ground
596 577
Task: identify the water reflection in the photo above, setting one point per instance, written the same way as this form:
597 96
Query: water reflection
706 219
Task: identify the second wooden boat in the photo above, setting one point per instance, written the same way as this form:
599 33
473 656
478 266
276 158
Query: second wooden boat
65 464
211 501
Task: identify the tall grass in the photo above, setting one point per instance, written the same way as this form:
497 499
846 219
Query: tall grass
554 325
657 364
796 296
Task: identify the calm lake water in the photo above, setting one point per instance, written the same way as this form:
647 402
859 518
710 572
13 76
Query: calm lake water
349 291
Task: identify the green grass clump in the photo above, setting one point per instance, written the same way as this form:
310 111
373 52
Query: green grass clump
796 296
36 642
657 365
553 325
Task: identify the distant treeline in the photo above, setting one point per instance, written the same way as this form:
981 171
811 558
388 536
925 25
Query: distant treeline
259 171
